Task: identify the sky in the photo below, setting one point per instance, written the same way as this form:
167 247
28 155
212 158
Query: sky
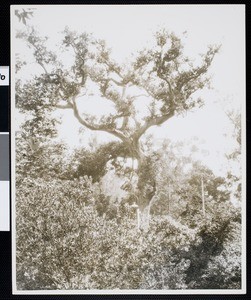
128 29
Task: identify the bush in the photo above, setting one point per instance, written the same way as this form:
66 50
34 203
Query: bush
63 242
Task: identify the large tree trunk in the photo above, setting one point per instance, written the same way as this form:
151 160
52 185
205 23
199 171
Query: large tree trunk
146 181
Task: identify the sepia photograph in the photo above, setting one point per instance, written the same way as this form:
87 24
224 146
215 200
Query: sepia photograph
128 149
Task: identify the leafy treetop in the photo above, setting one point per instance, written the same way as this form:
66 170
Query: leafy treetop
162 76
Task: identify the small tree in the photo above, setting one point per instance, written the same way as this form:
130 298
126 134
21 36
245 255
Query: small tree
162 77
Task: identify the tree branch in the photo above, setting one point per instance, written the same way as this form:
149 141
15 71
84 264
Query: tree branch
43 66
152 122
115 81
64 106
102 127
112 67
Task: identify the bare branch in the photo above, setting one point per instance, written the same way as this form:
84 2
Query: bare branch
95 127
152 122
43 67
140 95
64 106
115 81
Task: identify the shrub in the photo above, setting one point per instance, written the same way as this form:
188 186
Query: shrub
63 242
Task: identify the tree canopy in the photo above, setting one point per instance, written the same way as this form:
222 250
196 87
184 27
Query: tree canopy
87 239
162 76
173 227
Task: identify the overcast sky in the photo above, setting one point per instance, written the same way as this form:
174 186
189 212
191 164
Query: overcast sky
129 28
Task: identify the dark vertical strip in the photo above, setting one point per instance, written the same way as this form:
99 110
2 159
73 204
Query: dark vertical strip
5 34
5 262
4 109
5 236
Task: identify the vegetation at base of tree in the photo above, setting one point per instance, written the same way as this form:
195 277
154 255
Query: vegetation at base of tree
175 226
87 241
66 241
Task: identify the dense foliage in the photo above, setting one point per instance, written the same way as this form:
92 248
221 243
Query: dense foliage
70 233
72 236
64 243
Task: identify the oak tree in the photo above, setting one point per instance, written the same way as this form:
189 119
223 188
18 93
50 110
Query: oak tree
161 77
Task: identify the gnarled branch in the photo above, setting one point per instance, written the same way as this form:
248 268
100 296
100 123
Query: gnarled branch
96 127
152 122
